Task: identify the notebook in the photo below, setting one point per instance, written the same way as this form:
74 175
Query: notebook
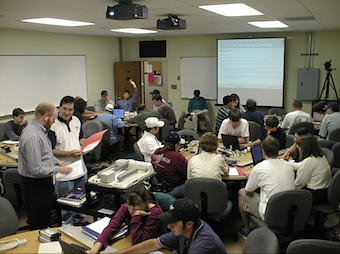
118 113
256 154
231 142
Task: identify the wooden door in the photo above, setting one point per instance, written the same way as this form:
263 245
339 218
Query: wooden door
123 71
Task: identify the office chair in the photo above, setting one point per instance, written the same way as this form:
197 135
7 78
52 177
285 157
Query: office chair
211 196
261 240
108 144
329 156
138 155
89 128
326 143
331 206
254 130
170 103
208 123
276 111
90 108
181 121
334 135
308 125
287 212
2 130
336 163
13 193
188 135
8 218
290 140
164 130
312 246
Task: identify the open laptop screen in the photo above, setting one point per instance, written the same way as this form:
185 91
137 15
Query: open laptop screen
118 113
256 154
230 142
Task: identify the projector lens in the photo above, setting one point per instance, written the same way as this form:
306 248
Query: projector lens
111 13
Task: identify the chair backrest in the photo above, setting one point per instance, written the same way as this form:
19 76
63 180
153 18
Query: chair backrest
329 155
8 218
107 134
255 130
326 143
276 111
290 140
188 135
164 130
89 128
180 123
333 192
288 210
138 154
336 151
312 246
2 130
308 125
90 108
170 103
261 240
12 181
211 195
208 123
334 135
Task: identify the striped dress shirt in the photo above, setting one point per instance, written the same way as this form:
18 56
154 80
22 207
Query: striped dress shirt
36 159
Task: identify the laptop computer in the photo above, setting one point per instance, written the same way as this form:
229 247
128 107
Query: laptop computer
71 248
118 113
231 142
256 154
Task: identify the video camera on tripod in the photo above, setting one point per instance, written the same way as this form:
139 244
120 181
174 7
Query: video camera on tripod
329 82
328 66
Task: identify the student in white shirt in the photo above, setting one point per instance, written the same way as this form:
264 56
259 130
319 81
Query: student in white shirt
149 143
296 116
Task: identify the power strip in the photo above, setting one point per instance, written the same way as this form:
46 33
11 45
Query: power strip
12 243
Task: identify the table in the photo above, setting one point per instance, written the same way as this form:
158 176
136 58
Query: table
5 159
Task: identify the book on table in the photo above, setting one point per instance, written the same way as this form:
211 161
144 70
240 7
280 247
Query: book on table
96 228
75 198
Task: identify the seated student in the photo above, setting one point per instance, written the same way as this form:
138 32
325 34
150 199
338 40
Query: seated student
155 93
143 114
236 126
100 104
166 111
331 121
171 165
189 234
81 112
197 108
252 114
223 112
272 175
313 172
296 116
126 103
319 108
114 123
272 128
237 104
149 143
293 151
14 127
142 214
209 163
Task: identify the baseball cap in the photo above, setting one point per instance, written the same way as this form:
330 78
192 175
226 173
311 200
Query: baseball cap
181 209
152 122
109 107
333 105
155 92
174 138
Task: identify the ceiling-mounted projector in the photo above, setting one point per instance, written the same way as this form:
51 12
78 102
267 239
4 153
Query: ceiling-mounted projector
172 22
127 10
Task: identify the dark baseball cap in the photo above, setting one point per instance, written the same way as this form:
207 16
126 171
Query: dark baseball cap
155 92
333 105
174 138
181 209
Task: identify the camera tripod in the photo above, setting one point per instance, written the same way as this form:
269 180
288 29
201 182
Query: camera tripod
329 82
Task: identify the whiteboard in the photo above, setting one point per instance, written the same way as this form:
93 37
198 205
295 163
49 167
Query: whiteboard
198 73
26 81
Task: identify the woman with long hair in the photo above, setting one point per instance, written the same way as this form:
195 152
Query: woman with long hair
313 172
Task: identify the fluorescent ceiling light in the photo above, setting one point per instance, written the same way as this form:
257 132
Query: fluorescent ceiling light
57 22
134 31
231 10
268 24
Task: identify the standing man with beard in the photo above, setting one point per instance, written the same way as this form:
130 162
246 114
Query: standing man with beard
37 165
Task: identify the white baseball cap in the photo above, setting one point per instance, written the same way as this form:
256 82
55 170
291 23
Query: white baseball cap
152 122
109 107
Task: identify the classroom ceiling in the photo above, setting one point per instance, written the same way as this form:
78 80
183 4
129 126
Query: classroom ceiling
299 15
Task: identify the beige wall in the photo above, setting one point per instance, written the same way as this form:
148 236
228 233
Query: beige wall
326 44
101 53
